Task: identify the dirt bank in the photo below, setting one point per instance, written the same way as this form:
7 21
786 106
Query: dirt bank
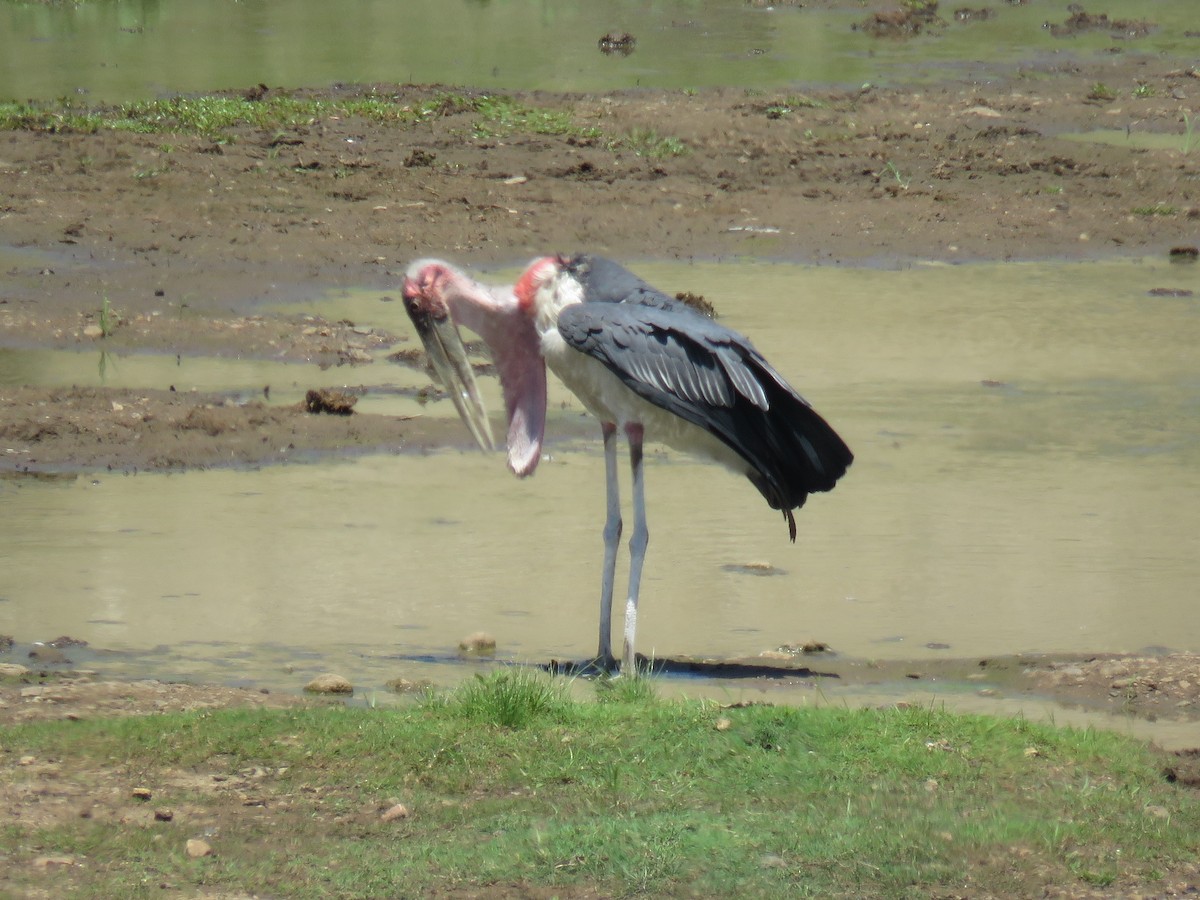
133 242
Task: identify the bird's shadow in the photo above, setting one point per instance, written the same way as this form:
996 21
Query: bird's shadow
670 667
687 667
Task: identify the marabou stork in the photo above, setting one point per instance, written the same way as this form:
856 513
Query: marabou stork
639 361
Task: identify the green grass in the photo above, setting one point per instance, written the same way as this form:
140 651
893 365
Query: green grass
220 117
215 115
648 142
108 321
891 169
514 788
1158 209
502 114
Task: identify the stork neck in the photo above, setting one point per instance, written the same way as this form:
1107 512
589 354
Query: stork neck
552 297
481 308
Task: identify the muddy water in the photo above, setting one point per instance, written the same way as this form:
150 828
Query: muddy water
1027 476
121 51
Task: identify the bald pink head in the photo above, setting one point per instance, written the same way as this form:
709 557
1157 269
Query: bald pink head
535 275
497 316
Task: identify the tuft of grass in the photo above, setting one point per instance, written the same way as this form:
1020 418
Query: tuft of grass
1158 209
1188 127
1101 91
891 169
627 690
510 698
501 113
108 321
508 782
648 142
215 115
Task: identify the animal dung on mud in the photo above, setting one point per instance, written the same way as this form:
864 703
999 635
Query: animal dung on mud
619 43
327 400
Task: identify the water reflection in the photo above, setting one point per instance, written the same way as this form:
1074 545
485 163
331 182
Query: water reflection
122 51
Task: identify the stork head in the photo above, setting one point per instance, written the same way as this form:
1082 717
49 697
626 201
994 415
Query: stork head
426 291
539 276
546 286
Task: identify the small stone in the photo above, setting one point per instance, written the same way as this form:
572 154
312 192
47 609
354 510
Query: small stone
329 683
46 862
1158 812
12 670
478 642
26 760
93 331
162 814
44 653
408 686
776 654
723 724
399 811
197 848
141 793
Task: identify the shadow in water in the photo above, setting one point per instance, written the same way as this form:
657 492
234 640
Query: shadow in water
688 667
678 667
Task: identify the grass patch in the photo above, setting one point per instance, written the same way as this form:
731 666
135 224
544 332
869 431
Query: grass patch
892 170
214 115
649 143
510 698
108 321
1158 209
501 114
512 788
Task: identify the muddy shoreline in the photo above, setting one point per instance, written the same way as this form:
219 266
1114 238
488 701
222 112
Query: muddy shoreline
129 243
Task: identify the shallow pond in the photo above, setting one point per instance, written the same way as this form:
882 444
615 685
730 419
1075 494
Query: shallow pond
1027 476
115 51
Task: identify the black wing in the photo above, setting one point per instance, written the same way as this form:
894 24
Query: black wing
712 377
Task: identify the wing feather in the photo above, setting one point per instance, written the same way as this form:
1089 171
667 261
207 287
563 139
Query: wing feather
661 350
701 371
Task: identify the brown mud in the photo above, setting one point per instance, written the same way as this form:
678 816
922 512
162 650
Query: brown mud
133 243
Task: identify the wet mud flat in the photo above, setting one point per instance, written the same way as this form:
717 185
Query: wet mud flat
64 677
135 243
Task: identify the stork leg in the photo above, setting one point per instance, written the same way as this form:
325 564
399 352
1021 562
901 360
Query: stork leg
637 547
612 540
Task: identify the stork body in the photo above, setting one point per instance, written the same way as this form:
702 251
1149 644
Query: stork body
646 365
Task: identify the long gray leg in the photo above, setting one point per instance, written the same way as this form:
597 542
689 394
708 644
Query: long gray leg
637 547
612 540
